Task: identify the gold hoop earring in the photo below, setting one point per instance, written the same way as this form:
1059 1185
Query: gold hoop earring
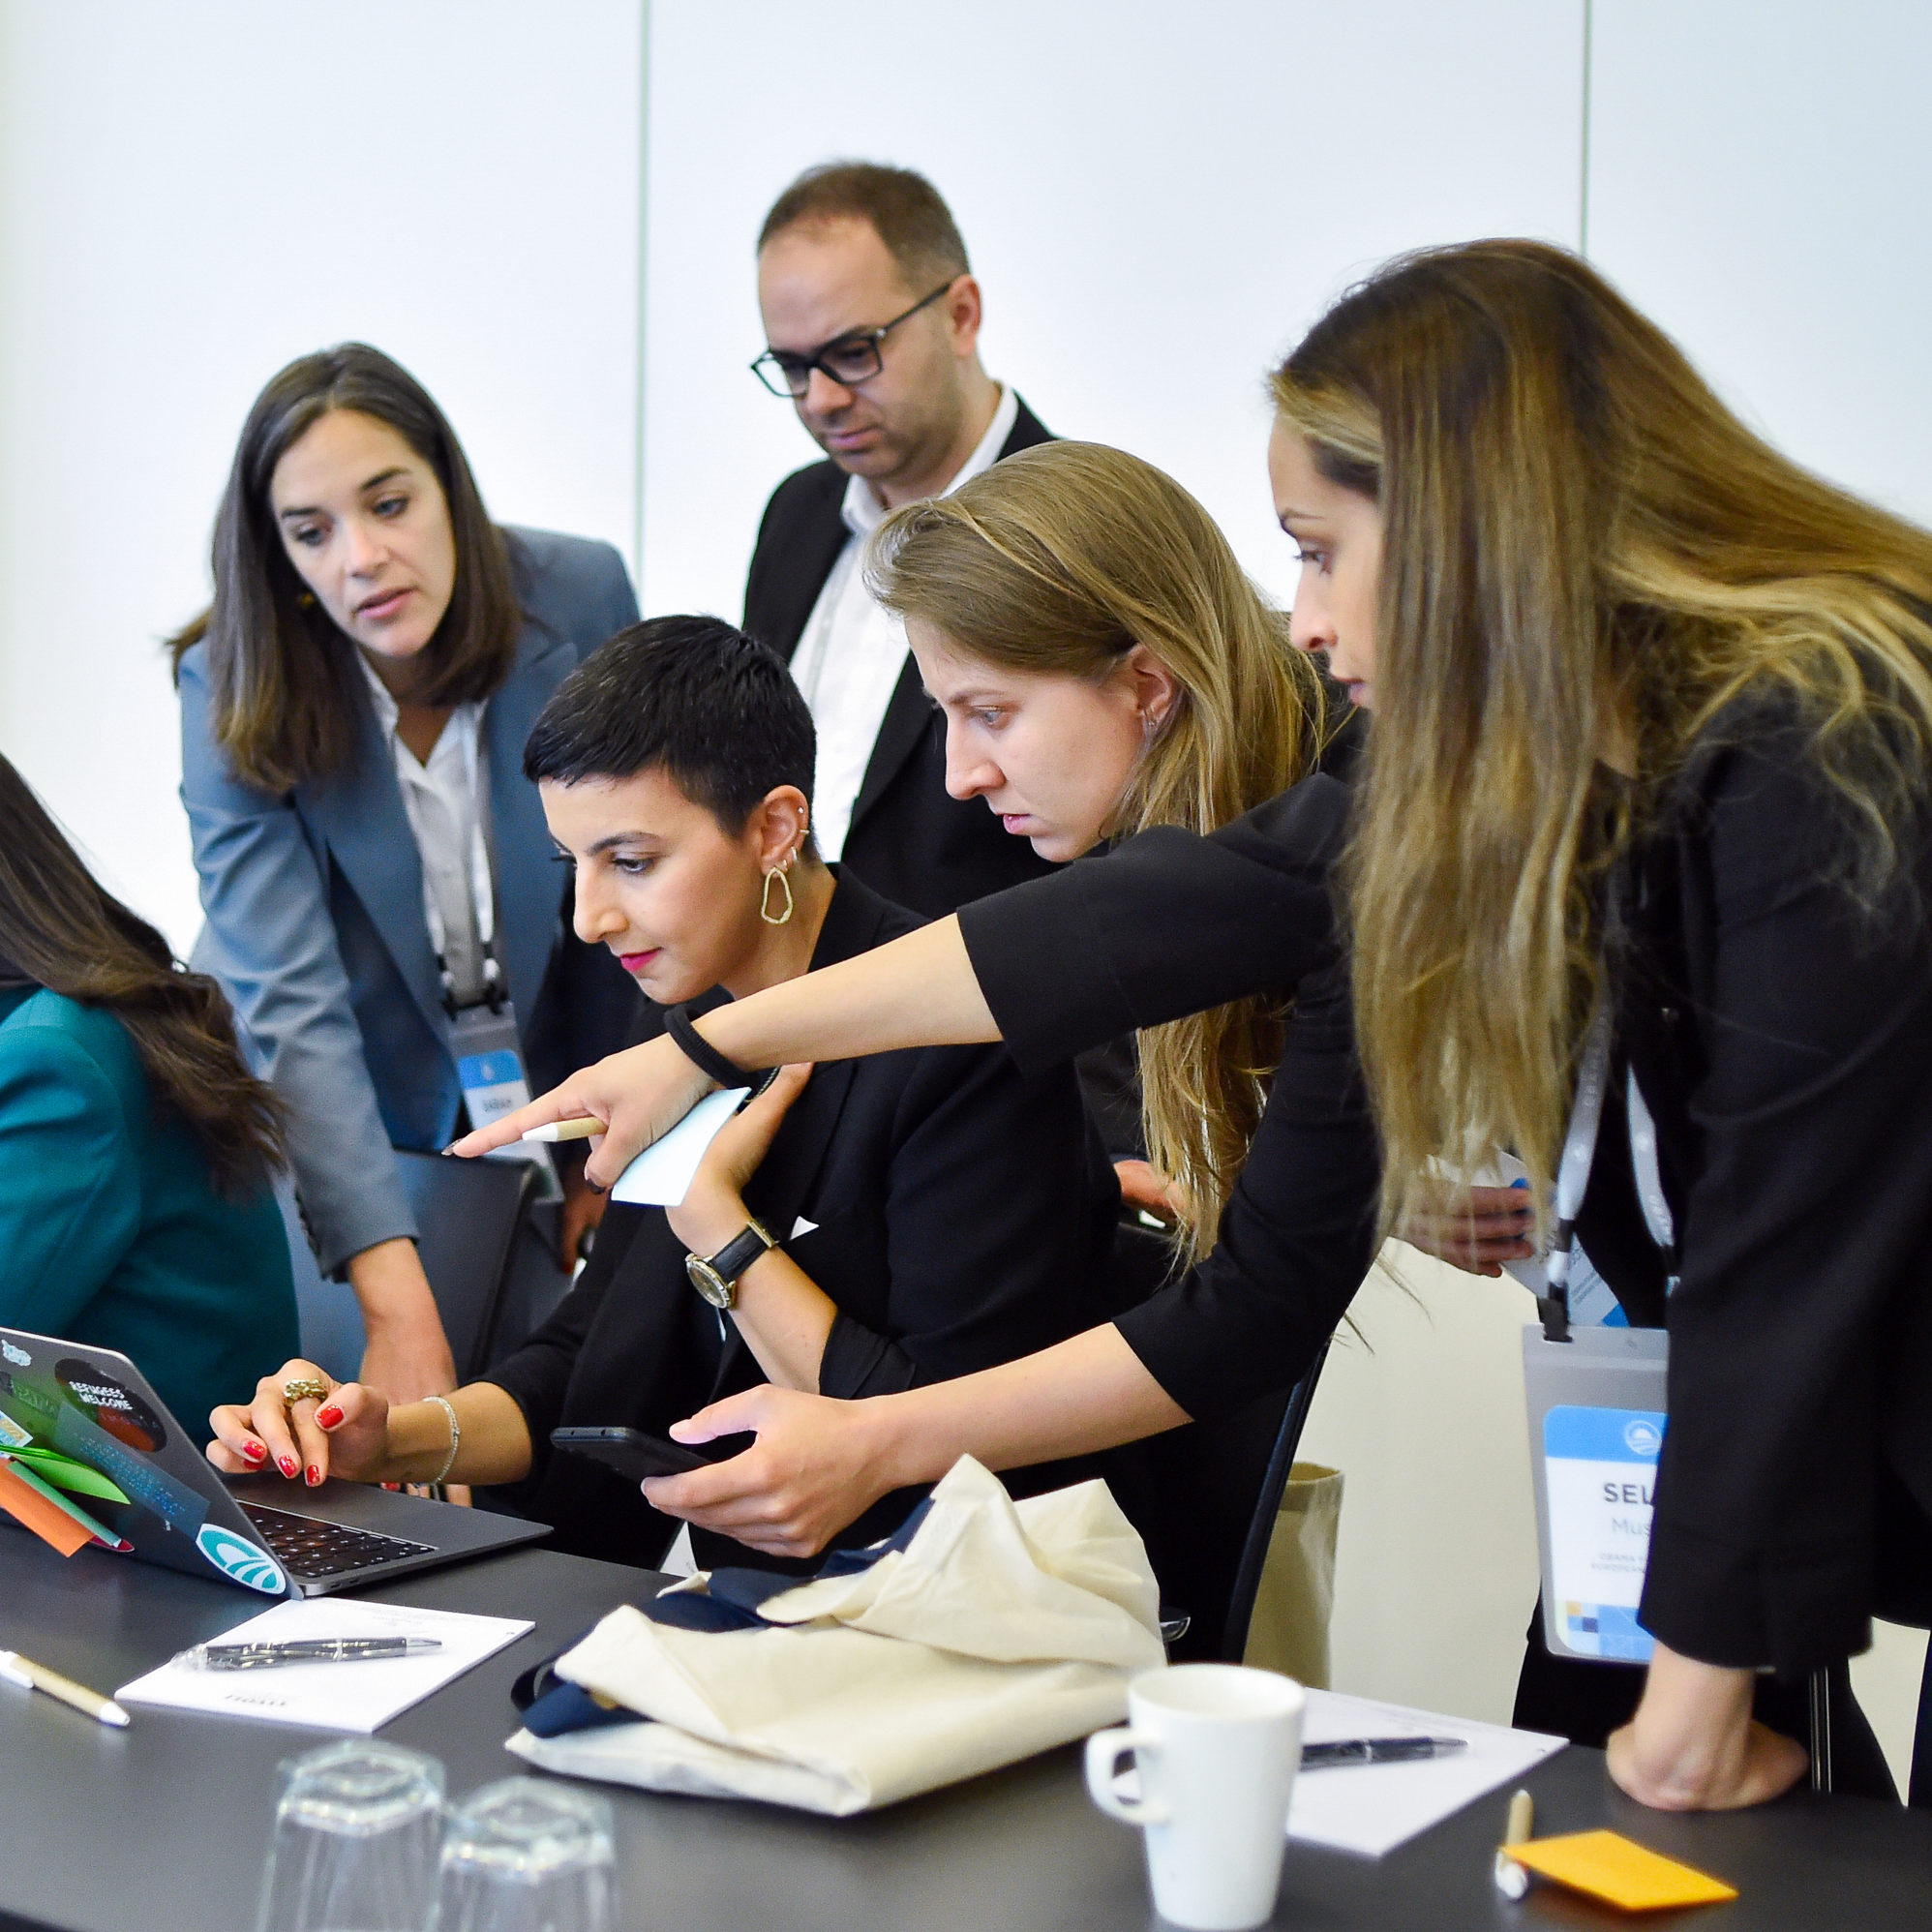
777 872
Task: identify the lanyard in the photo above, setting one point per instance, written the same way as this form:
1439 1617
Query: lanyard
482 889
1573 1172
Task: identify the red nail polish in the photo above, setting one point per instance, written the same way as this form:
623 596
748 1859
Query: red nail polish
327 1418
315 1476
287 1465
255 1451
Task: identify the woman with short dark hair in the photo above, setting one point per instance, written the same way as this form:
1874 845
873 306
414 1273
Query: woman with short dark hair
381 903
137 1151
859 1227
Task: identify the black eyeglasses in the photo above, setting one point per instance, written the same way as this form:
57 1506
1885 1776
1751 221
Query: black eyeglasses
848 359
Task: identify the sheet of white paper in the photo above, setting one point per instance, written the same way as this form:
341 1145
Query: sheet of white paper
331 1696
661 1176
1372 1808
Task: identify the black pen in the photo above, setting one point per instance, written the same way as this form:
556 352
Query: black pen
1378 1751
313 1650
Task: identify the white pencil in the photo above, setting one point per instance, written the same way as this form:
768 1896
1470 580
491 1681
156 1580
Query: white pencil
581 1128
23 1671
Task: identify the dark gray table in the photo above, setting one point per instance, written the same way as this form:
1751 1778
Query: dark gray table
162 1828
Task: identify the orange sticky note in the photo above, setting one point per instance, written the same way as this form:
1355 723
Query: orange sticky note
1608 1866
51 1524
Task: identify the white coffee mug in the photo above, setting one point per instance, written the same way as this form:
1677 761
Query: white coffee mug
1217 1746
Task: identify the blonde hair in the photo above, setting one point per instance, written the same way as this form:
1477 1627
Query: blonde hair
1060 561
1585 560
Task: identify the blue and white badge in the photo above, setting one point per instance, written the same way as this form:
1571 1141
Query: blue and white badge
490 1068
1600 1469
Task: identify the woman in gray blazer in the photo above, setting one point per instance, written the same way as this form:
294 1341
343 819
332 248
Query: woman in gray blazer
380 897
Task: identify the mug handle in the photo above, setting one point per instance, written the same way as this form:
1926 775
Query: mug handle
1104 1749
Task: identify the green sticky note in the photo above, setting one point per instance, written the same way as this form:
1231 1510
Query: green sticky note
64 1472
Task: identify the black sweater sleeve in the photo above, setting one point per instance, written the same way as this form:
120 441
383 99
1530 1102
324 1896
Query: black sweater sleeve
1169 924
1804 1227
537 1376
1297 1235
1166 924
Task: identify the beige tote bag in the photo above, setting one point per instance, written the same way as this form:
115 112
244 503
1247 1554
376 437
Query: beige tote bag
1292 1607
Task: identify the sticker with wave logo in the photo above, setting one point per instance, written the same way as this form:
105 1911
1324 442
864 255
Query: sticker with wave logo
237 1558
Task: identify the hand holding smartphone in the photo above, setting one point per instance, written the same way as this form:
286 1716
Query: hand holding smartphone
633 1454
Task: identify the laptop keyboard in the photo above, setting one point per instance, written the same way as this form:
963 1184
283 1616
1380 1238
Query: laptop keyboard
308 1547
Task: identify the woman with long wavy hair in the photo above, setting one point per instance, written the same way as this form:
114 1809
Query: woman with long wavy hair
137 1152
1652 739
1078 595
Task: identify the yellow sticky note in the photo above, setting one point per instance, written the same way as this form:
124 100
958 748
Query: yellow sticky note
1607 1865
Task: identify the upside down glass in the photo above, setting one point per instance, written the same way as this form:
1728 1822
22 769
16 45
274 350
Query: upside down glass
527 1855
357 1827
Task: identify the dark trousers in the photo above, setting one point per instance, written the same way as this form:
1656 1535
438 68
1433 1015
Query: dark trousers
1586 1703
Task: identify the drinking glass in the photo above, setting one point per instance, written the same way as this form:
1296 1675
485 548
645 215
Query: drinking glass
524 1855
356 1830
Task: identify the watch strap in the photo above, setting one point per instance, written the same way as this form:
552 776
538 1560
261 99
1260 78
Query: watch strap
741 1251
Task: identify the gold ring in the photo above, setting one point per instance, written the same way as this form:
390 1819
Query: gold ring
305 1388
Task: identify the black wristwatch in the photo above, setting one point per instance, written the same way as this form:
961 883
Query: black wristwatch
717 1278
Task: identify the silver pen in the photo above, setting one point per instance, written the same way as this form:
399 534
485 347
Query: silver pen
310 1650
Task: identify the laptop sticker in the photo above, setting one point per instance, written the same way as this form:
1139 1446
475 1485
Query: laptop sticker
237 1558
122 1413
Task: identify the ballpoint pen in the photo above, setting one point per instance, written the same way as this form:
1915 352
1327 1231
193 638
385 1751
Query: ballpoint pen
1378 1751
309 1651
23 1671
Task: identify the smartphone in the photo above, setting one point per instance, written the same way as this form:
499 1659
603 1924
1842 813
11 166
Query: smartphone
635 1454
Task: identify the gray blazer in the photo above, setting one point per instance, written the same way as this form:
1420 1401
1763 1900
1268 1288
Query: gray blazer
315 918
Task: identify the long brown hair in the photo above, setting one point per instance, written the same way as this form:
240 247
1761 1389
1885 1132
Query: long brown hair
1061 560
282 678
1585 560
58 928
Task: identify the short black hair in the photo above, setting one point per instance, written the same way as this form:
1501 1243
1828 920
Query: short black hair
693 695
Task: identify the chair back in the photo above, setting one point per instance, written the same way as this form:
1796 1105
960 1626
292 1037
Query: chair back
1205 1496
468 1213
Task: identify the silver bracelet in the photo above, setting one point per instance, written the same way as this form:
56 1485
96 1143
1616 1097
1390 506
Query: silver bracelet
455 1439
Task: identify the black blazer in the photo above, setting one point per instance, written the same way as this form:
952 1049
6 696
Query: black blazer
964 1217
908 840
1783 1039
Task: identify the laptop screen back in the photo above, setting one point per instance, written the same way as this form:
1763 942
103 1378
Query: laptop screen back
83 1424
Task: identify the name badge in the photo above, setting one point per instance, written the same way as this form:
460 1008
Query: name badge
490 1069
1596 1427
1600 1474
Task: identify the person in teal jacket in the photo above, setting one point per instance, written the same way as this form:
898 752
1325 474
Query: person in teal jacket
137 1151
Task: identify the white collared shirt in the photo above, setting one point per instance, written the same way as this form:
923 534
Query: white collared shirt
851 652
447 802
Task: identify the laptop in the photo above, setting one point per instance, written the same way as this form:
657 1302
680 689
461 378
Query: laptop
85 1422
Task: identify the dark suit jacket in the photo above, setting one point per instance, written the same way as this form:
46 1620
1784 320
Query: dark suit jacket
908 840
964 1217
1783 1039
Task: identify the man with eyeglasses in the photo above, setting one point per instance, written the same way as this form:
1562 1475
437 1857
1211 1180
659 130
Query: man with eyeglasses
872 319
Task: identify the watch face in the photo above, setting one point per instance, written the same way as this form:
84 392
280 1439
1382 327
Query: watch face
708 1282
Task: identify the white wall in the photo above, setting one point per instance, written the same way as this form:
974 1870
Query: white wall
192 194
1157 200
